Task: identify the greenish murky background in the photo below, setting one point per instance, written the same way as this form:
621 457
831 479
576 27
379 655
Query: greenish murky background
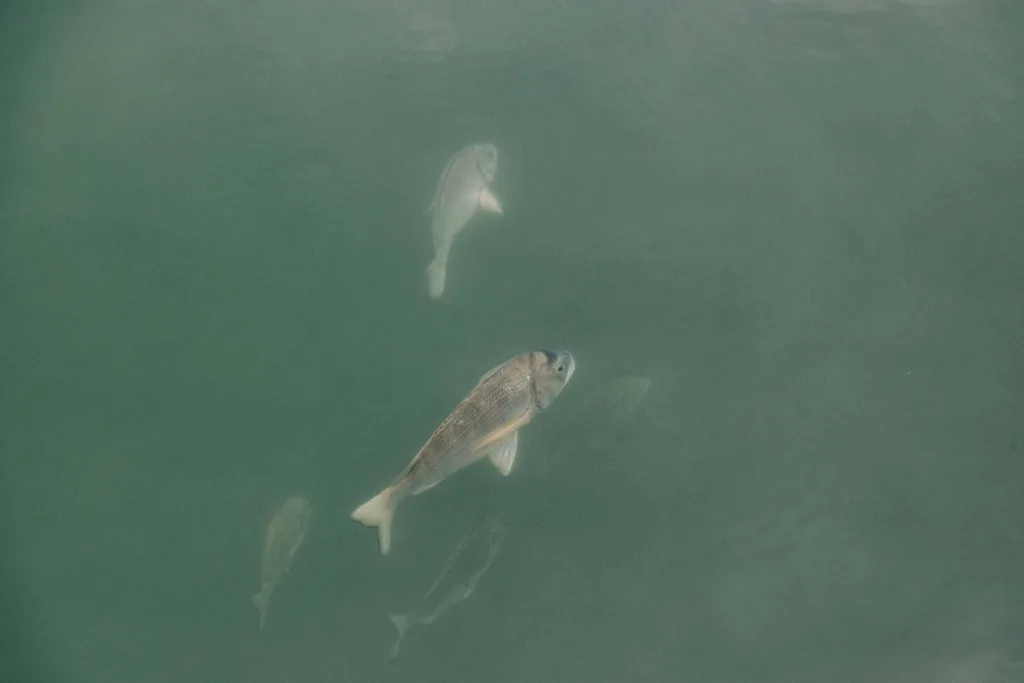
802 220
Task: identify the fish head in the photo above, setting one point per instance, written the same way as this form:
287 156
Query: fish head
486 158
551 372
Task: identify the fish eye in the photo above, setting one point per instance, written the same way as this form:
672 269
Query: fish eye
560 369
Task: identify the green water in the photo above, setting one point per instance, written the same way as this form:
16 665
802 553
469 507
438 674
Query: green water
803 221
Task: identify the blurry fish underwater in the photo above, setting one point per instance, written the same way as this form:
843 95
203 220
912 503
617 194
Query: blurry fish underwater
464 188
484 424
285 534
598 422
472 558
620 397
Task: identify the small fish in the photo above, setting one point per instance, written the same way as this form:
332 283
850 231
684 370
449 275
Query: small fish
463 189
484 424
598 422
470 561
285 533
621 396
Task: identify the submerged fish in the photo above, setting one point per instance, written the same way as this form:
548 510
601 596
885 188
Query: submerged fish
621 396
285 533
599 421
484 424
470 561
464 187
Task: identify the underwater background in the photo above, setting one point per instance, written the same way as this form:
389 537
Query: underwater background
801 220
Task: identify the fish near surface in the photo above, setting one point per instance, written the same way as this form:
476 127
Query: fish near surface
285 534
463 189
485 424
464 569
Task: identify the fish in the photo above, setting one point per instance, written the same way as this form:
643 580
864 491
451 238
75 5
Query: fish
473 556
285 534
621 397
485 424
463 189
603 417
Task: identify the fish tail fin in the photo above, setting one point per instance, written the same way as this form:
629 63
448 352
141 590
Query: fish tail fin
262 602
378 512
401 622
436 273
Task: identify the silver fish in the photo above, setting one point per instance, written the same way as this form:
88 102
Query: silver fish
484 424
285 534
463 189
470 561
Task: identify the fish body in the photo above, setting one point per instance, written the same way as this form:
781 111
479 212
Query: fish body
285 533
472 558
485 424
463 189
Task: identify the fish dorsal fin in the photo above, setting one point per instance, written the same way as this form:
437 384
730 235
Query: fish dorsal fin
436 202
488 374
504 455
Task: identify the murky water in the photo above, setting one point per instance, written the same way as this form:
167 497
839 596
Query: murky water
801 221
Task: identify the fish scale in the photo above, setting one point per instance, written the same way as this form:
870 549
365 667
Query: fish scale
496 401
484 424
464 188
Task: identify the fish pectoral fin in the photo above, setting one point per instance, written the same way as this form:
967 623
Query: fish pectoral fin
487 201
504 454
501 433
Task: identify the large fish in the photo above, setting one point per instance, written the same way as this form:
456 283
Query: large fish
485 424
285 533
470 561
463 189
